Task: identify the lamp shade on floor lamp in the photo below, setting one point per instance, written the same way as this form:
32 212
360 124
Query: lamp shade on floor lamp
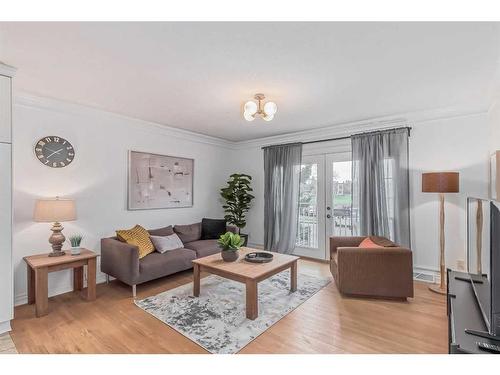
442 183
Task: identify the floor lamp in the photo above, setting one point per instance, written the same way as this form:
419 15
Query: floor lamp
440 182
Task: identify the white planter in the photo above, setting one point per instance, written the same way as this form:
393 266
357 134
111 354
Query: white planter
75 250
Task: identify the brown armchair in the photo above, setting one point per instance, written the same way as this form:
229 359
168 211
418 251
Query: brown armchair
381 272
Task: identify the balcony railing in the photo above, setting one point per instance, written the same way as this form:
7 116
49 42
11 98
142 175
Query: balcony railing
307 231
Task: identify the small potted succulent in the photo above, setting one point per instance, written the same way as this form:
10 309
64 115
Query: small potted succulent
230 243
75 241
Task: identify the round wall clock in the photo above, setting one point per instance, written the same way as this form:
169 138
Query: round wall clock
55 152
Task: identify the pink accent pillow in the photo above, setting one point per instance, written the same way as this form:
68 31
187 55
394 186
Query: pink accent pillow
367 243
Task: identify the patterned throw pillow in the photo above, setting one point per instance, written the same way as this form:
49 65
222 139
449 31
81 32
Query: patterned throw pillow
137 236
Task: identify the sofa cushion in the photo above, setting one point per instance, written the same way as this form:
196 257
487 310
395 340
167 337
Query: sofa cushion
137 236
166 243
165 231
212 229
157 265
203 248
188 233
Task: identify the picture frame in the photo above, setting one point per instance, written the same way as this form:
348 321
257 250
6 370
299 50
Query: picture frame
157 181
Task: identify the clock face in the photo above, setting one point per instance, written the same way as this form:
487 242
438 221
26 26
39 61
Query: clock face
55 152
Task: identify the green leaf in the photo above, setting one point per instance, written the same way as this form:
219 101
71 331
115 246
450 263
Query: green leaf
237 198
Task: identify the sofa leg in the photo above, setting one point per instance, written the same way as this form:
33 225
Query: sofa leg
134 291
107 279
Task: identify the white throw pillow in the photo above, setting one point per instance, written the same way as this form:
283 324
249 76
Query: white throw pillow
166 243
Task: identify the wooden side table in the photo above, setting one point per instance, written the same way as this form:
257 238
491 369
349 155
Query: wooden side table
39 266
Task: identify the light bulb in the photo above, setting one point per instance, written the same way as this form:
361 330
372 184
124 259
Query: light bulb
268 117
248 116
250 107
270 108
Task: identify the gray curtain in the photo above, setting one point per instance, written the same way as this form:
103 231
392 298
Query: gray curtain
281 196
380 184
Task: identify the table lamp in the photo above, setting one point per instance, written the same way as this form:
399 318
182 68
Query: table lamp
55 210
440 182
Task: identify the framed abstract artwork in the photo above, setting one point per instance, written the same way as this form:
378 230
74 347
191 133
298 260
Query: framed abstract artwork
159 181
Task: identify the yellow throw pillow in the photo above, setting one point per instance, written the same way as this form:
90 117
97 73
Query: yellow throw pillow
137 236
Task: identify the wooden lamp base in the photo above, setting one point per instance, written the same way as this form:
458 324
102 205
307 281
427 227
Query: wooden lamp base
441 287
56 240
437 289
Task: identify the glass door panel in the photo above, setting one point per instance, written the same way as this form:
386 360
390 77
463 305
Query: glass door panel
339 196
310 239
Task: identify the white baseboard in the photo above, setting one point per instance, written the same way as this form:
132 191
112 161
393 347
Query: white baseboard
5 327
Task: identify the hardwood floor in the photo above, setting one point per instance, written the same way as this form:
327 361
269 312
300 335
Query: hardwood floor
326 323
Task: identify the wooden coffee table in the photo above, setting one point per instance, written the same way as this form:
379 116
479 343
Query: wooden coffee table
245 272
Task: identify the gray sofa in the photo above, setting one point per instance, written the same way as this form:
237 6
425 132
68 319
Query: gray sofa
121 260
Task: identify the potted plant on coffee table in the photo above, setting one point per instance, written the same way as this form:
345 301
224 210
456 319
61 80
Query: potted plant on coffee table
230 244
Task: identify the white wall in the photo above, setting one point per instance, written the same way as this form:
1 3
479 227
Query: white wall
458 144
494 118
97 178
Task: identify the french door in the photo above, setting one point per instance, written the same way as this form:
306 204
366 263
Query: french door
311 225
324 204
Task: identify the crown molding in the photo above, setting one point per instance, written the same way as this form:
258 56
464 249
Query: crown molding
55 105
7 70
349 128
331 131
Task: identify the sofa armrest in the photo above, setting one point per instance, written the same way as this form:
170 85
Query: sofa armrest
379 272
120 260
351 241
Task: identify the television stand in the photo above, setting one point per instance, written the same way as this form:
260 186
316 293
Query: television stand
466 326
483 334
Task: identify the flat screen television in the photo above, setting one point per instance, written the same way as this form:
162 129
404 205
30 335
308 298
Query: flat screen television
483 261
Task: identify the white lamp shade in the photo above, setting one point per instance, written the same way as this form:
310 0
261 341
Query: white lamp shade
248 116
52 210
250 107
270 108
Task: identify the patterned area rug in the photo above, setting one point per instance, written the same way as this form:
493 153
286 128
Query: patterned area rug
216 320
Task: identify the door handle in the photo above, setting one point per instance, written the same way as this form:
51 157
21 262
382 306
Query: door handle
328 208
328 216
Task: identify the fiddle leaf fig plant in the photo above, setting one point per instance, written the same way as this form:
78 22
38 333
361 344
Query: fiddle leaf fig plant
237 199
230 241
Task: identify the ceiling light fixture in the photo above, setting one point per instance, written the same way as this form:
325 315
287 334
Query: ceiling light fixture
252 109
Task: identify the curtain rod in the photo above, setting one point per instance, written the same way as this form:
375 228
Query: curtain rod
346 137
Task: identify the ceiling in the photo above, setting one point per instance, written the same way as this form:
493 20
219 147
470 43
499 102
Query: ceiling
196 76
